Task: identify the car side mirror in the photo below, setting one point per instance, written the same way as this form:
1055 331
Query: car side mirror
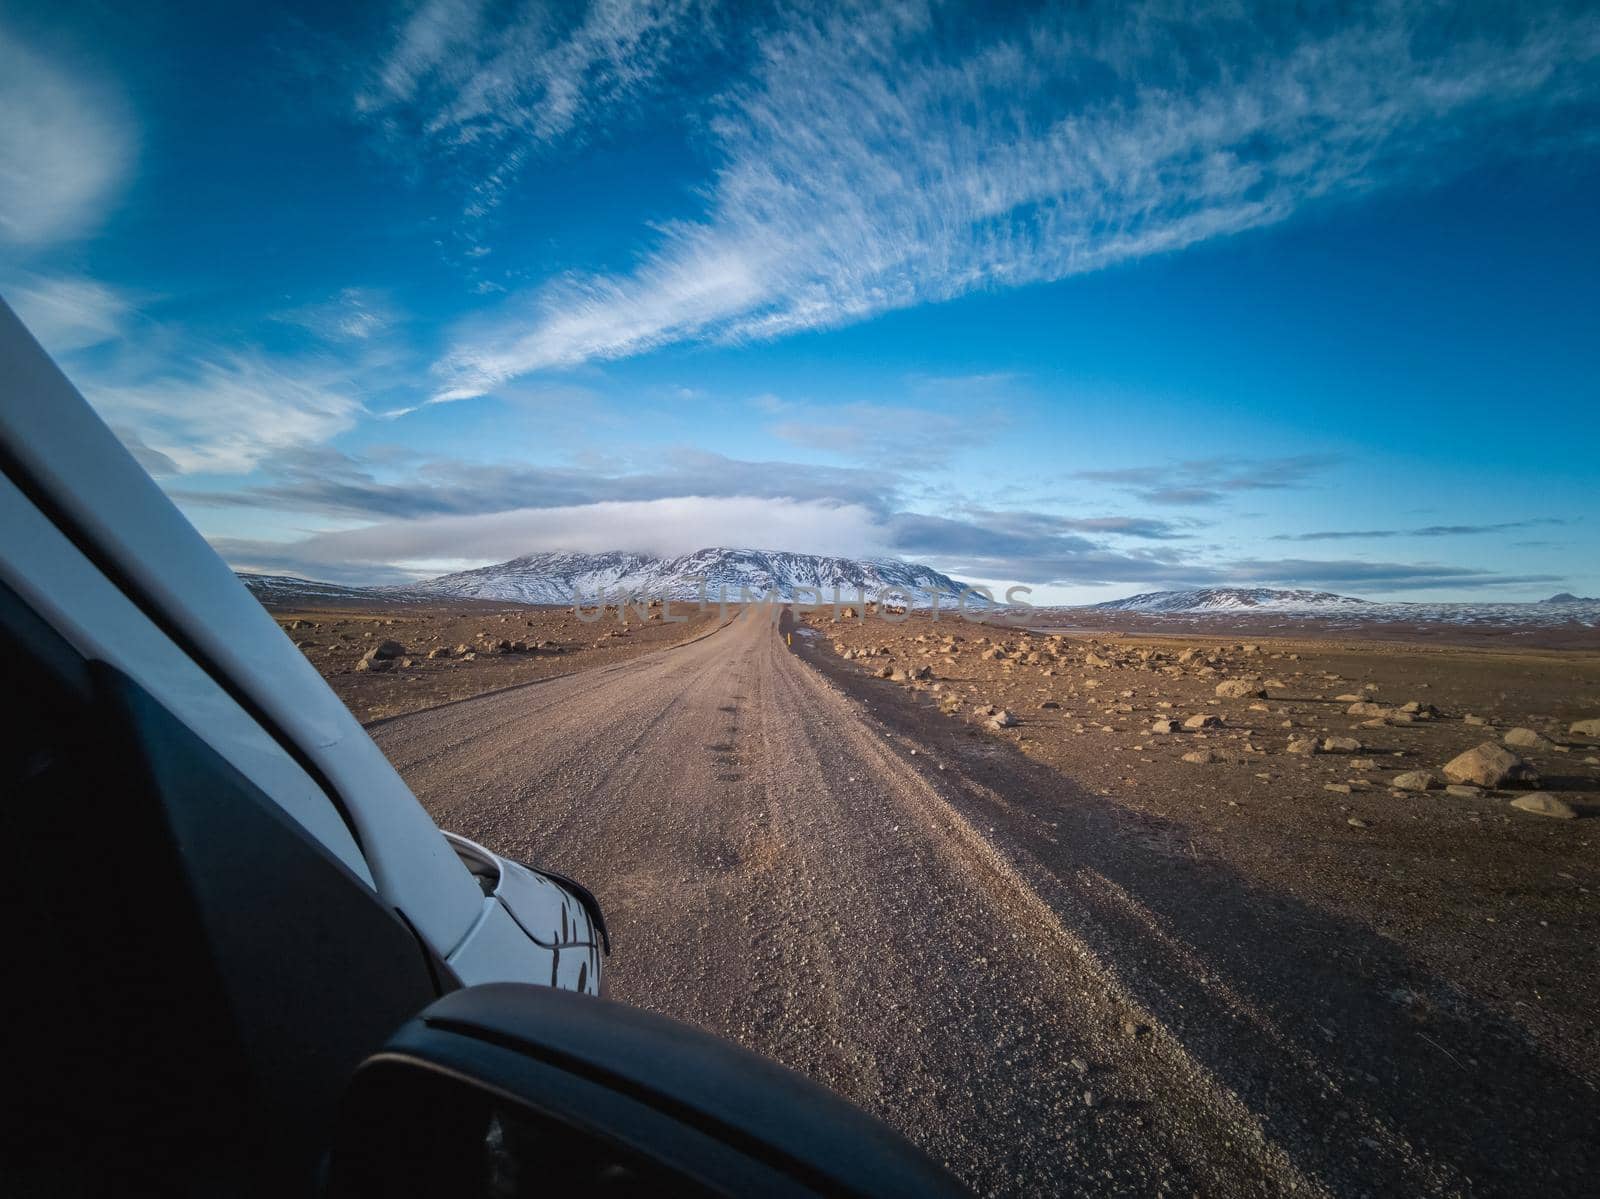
508 1090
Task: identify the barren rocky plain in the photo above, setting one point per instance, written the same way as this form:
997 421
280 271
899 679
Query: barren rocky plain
1119 910
387 661
1440 795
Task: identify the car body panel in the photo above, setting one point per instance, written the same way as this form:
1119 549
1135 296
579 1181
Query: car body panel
58 583
542 910
133 532
95 546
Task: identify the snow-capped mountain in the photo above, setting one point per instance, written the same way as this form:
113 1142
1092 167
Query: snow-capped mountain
1228 599
562 578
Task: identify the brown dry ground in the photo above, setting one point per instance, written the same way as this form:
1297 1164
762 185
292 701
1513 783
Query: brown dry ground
1497 904
1255 625
334 638
1057 955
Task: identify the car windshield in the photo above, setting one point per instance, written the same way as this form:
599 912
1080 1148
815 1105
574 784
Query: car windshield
1039 561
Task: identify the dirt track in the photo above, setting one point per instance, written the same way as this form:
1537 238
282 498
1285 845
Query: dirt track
1045 995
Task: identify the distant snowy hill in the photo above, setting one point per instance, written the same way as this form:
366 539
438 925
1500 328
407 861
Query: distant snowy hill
286 589
561 578
1559 610
1228 599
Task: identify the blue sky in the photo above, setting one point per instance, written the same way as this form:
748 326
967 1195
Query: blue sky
1100 301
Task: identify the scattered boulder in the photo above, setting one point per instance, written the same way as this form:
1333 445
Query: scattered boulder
1489 765
1526 739
1206 720
1003 719
884 672
439 651
1340 745
1585 728
1239 689
1365 708
1463 791
384 651
1202 757
376 665
1164 726
1416 780
1304 746
1544 805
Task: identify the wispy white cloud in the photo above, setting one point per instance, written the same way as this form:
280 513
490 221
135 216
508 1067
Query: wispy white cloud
68 313
668 526
65 146
225 415
885 434
463 75
353 314
1210 480
419 516
867 167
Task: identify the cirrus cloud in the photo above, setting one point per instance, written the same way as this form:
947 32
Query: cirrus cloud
867 166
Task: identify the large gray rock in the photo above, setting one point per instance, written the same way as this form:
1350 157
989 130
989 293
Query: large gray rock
1489 765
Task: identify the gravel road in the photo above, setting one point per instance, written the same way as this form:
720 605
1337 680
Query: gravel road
781 866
